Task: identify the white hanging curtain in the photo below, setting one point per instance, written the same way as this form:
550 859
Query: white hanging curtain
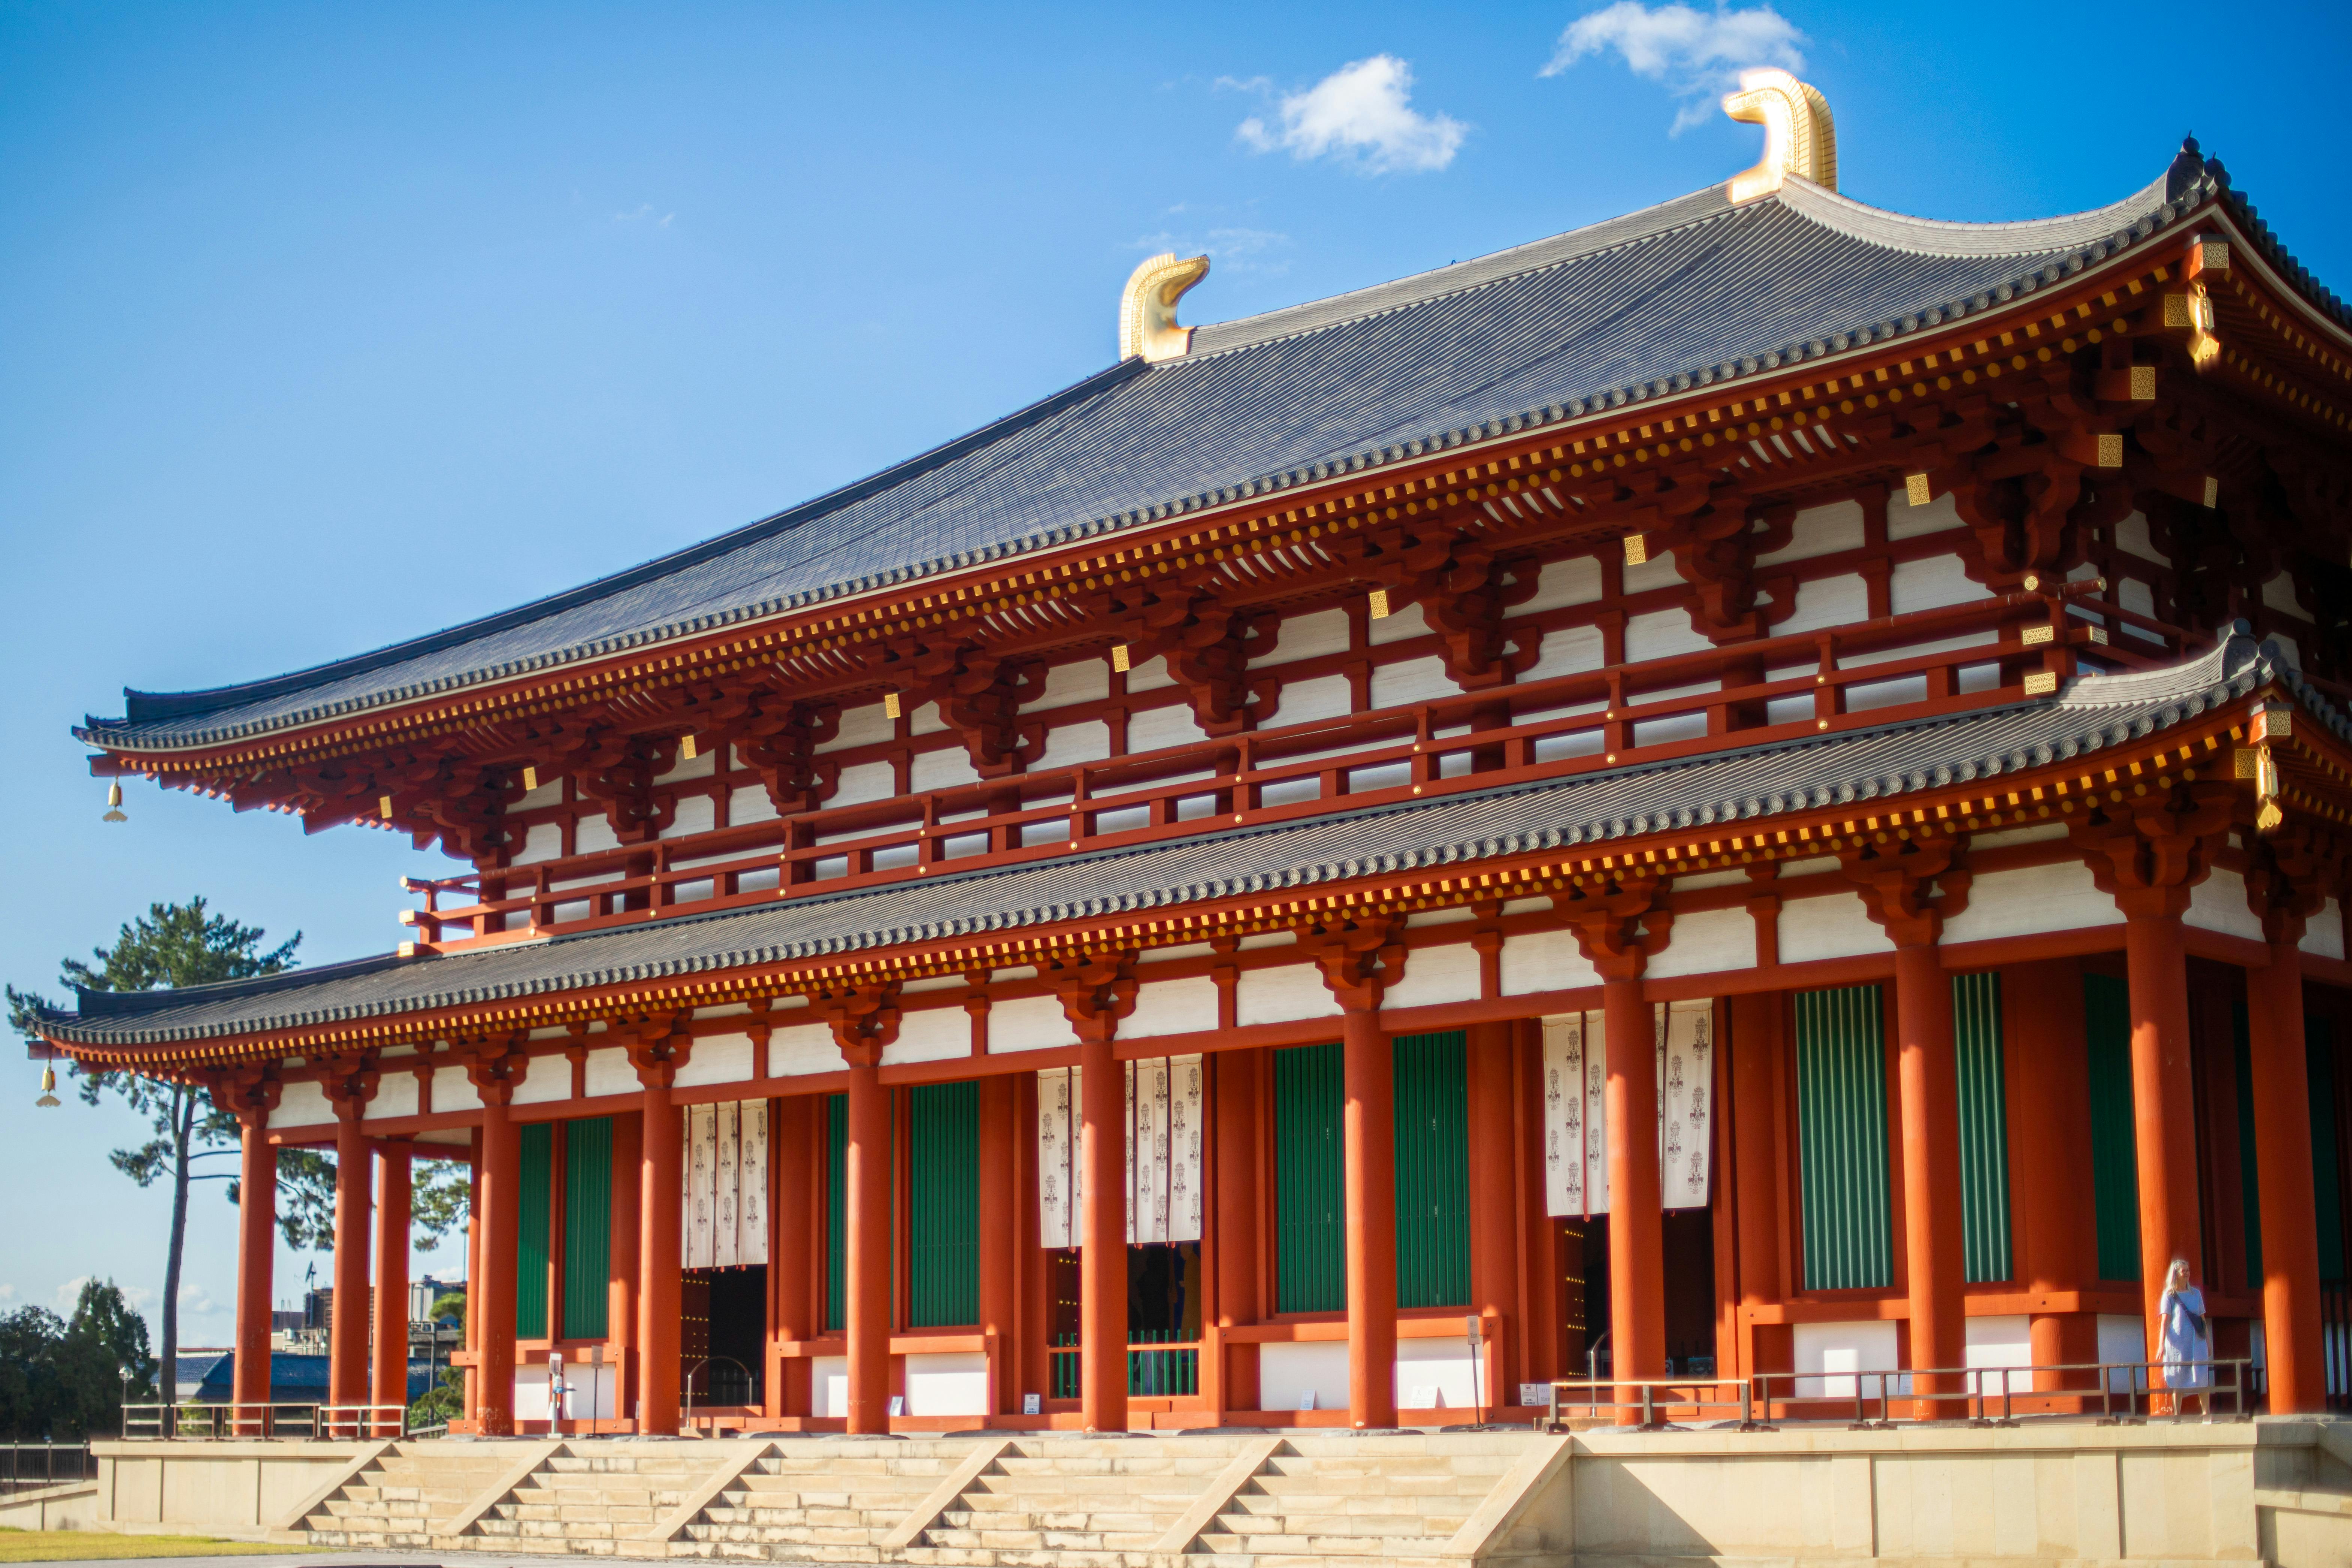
1164 1110
726 1185
1576 1075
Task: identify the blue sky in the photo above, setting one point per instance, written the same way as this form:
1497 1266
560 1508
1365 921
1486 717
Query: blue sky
324 326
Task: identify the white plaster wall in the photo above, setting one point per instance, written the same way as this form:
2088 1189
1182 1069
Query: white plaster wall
1837 926
2030 901
593 832
609 1072
1278 995
2004 1340
1325 696
695 767
1827 602
395 1095
861 727
829 1386
1830 1349
1545 961
1308 1376
866 781
2323 934
1408 622
803 1049
1171 1007
305 1104
1149 676
695 813
749 803
1310 636
1657 572
451 1090
1082 681
2123 1340
549 793
1907 521
943 769
549 1079
1435 974
1931 584
1708 941
947 1382
717 1059
1572 650
544 841
1821 531
1028 1023
1662 633
2219 903
1576 581
1436 1373
930 1035
1069 744
2132 536
1157 727
925 720
1412 681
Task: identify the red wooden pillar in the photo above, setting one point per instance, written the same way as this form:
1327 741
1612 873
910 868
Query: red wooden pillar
1637 1274
473 1275
2163 1094
660 1285
2043 1024
256 1253
1036 1311
869 1252
1933 1242
1494 1214
790 1266
347 1333
621 1290
1756 1169
494 1300
999 1272
392 1229
1234 1080
2291 1326
1102 1255
1368 1121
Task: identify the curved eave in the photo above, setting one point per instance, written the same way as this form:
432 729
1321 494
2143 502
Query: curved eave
2187 193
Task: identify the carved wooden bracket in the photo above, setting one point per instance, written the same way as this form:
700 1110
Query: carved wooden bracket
1910 887
1359 960
1097 991
863 1018
777 737
248 1091
2290 875
348 1078
979 695
495 1065
1620 927
1208 645
2147 851
1464 594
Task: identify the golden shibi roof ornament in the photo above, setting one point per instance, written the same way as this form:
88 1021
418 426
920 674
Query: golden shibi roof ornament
114 803
1147 310
1799 138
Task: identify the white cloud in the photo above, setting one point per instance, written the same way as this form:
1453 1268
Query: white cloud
1698 55
8 1292
645 213
196 1299
1361 114
1236 252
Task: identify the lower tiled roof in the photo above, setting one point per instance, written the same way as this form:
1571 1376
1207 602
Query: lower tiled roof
2094 714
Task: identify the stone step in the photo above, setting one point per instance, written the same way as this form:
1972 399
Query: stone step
1141 1504
996 1540
1054 1518
1267 1507
1267 1551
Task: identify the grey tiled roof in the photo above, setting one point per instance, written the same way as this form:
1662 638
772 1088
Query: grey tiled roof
2090 714
1691 292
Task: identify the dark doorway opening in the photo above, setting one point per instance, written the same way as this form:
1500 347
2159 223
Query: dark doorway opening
722 1339
1688 1254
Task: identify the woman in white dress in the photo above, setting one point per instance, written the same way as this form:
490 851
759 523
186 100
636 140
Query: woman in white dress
2187 1341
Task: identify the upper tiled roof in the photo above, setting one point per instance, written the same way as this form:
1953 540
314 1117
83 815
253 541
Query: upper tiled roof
2090 715
1693 292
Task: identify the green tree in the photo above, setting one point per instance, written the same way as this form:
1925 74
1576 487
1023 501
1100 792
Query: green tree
172 945
66 1379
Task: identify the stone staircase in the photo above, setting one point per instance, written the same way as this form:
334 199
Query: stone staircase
1027 1500
1322 1497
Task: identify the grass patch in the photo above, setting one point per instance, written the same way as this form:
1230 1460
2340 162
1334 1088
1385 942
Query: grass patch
99 1545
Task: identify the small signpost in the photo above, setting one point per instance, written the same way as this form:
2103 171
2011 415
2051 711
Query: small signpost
1477 1379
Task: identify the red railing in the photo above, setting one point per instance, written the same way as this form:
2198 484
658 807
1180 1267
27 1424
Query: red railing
1554 727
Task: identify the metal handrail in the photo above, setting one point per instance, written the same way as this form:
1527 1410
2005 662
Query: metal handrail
363 1421
1978 1388
1643 1393
16 1474
170 1423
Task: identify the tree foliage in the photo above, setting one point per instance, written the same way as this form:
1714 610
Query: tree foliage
63 1379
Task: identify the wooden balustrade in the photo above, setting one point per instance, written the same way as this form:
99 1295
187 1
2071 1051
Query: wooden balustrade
1542 729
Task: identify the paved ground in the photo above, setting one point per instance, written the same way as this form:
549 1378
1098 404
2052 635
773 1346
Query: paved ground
331 1560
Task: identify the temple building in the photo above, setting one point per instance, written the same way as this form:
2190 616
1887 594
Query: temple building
1758 788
